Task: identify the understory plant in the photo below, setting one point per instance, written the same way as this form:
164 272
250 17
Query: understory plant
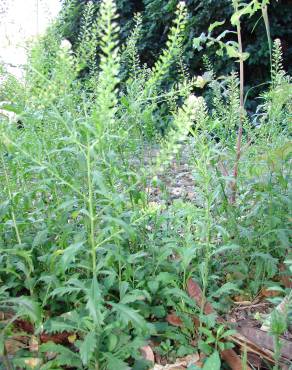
90 265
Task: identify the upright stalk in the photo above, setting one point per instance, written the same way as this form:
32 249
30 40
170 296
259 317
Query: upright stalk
268 31
91 209
241 118
6 361
11 201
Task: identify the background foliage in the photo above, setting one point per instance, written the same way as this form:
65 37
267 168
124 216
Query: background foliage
157 17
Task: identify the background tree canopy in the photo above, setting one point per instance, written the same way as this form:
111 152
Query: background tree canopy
158 15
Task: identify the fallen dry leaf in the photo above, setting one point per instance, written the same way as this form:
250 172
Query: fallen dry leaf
243 303
255 360
192 359
265 340
181 363
251 347
285 277
60 338
24 325
12 346
174 320
233 360
242 299
147 353
267 293
195 292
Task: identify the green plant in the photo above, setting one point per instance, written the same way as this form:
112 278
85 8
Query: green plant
157 19
92 265
278 327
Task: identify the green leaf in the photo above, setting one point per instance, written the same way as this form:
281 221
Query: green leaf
2 343
224 248
114 363
127 314
4 208
204 347
213 362
158 311
94 302
135 295
214 25
40 238
153 285
70 253
112 342
225 289
87 347
227 333
197 41
58 325
27 307
208 333
194 367
232 51
245 56
11 108
65 356
73 286
248 9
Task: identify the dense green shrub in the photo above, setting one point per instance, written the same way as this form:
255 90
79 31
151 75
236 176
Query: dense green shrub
157 17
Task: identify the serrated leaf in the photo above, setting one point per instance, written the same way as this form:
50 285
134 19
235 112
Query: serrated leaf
65 356
87 347
59 325
70 253
127 314
135 295
65 290
153 285
248 9
94 302
225 248
25 306
225 289
40 238
114 363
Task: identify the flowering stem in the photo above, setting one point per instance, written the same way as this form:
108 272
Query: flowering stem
240 129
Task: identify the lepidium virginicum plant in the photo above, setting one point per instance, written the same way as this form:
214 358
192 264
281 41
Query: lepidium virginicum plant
78 185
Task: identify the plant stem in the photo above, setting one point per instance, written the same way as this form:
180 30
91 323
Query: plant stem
91 210
277 352
6 361
240 129
11 201
268 30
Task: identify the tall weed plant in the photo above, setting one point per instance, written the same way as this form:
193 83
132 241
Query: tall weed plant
84 252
